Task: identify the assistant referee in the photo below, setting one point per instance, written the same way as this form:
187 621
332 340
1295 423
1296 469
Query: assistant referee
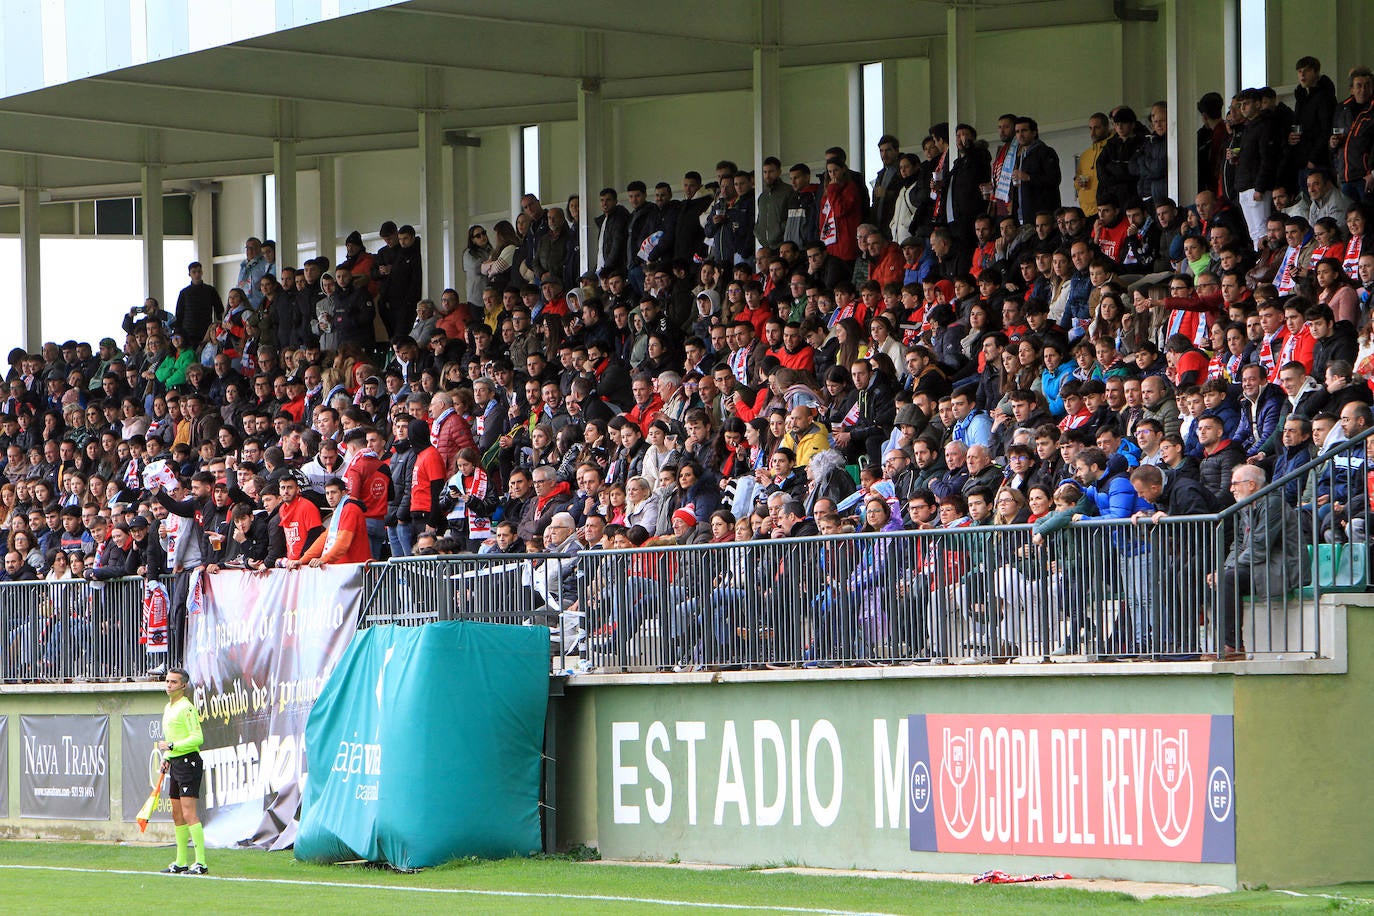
181 743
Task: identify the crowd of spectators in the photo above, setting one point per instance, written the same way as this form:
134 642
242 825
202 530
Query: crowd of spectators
943 347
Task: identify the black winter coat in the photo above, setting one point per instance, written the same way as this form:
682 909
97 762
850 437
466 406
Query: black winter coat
613 229
1114 166
1215 472
1150 166
972 169
1314 111
1257 163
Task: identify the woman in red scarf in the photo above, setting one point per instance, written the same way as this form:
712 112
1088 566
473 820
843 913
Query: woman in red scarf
465 501
841 213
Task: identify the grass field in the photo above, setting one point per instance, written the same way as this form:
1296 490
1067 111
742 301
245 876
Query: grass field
42 878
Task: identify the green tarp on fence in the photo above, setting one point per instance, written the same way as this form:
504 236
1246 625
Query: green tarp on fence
425 746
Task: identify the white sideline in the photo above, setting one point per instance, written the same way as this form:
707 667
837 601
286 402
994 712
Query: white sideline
601 898
1325 896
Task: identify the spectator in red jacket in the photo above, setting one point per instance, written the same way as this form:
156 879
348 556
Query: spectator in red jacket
369 483
344 539
1187 364
648 405
1300 344
885 262
299 518
841 213
756 311
451 433
425 481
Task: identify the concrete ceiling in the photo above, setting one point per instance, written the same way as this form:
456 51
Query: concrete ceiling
356 83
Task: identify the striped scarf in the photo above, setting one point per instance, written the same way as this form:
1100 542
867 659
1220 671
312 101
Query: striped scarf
1002 192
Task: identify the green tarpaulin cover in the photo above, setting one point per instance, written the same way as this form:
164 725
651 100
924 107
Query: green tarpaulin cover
425 746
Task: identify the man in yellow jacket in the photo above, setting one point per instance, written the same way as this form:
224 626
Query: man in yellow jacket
1085 171
181 742
805 436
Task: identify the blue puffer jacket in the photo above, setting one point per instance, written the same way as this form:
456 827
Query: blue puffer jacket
1049 386
1116 499
1114 495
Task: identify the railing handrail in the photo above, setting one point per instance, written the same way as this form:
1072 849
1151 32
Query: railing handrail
1319 459
45 581
900 533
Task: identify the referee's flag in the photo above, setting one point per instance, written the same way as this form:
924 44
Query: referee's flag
146 812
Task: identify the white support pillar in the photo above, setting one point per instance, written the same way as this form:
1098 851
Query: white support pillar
614 156
591 167
432 202
327 231
30 263
517 167
891 99
1230 49
284 169
1355 20
767 95
591 147
459 207
203 225
856 115
960 59
152 233
1177 56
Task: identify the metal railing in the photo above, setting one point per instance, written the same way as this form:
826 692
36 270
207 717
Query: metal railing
1309 532
72 630
518 589
974 594
1180 588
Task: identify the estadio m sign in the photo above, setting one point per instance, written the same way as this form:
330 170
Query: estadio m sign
838 774
1153 787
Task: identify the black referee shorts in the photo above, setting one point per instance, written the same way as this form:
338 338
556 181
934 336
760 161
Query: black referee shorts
185 774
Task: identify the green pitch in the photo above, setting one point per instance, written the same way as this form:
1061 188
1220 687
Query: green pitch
87 879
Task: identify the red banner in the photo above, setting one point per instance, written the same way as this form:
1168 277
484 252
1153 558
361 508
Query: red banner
1155 787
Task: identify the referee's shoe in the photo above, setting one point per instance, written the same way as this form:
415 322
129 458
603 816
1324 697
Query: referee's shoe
198 869
174 869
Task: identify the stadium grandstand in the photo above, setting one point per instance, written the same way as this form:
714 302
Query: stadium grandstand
718 341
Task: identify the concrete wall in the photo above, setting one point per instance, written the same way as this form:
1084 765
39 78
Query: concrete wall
491 188
659 139
1304 812
915 99
240 211
866 717
130 699
559 163
307 223
815 106
377 187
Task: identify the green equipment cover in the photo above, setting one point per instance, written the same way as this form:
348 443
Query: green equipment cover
433 737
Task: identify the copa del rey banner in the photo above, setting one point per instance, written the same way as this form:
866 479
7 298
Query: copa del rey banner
1155 787
260 646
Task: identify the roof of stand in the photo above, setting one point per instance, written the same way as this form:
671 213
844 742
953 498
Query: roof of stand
356 83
